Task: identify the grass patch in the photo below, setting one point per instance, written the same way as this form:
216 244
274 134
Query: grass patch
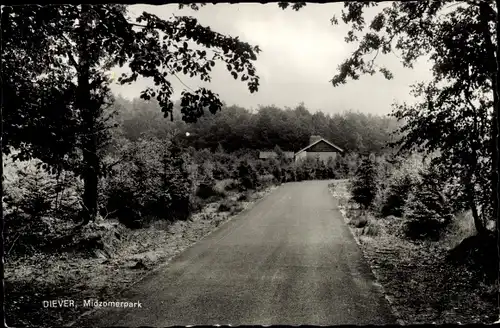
424 287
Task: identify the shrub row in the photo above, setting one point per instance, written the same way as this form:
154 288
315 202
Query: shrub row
405 187
151 179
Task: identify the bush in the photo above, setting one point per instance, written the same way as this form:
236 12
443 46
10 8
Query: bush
363 186
32 190
351 162
266 181
36 192
263 167
25 233
231 206
340 168
318 170
427 210
274 167
396 196
399 178
221 171
228 205
277 174
224 206
206 182
371 229
205 191
196 205
243 197
289 174
330 169
33 201
309 169
247 175
153 182
231 186
359 221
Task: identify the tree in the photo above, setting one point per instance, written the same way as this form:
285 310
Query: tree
459 38
427 209
56 60
462 143
364 183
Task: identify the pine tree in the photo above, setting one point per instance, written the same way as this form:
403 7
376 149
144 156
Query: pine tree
397 196
364 183
427 208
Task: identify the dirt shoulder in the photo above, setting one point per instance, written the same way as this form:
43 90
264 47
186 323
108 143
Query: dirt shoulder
32 280
420 284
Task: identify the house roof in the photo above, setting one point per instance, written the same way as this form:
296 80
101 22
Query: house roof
318 141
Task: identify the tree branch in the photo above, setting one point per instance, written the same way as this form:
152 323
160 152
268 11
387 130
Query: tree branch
70 56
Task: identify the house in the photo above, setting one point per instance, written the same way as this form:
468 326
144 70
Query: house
319 147
271 154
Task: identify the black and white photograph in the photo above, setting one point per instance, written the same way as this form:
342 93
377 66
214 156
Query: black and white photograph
250 163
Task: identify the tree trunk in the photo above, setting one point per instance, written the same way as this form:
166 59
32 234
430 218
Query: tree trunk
89 114
478 222
496 118
90 180
492 52
2 235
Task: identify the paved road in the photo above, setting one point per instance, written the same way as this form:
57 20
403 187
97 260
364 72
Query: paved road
289 260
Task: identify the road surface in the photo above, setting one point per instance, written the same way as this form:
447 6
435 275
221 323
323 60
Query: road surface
289 260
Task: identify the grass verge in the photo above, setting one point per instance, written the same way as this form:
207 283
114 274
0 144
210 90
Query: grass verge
421 285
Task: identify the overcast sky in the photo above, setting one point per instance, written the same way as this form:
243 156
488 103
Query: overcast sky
300 54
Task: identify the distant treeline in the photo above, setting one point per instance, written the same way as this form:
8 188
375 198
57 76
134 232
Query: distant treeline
235 128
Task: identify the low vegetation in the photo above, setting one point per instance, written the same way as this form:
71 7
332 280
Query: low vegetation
148 215
421 240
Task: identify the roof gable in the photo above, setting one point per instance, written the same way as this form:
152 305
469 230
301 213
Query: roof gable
335 147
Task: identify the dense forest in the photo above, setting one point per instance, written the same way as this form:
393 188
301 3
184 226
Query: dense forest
235 128
143 144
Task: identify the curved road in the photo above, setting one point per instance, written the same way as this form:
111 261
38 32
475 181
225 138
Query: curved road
289 260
